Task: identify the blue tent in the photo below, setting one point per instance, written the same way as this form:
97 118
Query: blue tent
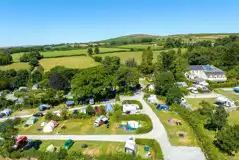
6 112
108 108
42 107
70 103
236 89
162 107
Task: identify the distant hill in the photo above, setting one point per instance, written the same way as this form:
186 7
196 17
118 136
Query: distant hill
132 37
196 36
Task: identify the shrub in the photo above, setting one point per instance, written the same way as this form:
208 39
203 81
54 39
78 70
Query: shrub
224 85
133 102
153 144
117 97
97 58
117 107
79 116
90 111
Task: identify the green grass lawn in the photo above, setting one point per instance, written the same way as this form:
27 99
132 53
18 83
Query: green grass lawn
173 130
229 94
233 117
75 126
48 54
195 101
95 148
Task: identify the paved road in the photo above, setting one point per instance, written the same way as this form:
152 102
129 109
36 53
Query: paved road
158 133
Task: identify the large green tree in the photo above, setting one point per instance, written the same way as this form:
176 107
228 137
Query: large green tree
146 66
173 95
96 50
59 82
228 139
217 120
127 77
111 64
163 82
93 82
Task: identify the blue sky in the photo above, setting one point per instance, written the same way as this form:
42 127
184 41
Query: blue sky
28 22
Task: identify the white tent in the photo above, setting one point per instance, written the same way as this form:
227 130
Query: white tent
50 148
134 124
43 124
151 87
152 99
48 128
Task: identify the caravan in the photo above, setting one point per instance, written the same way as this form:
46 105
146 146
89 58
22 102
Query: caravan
131 108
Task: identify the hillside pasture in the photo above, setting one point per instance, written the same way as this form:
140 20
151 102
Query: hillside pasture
77 52
140 46
69 62
17 66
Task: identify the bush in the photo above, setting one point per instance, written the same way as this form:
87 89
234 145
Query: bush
153 144
224 85
117 97
90 111
79 116
97 58
133 102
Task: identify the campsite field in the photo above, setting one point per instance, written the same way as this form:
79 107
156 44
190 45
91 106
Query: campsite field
173 130
229 94
233 117
75 126
95 148
196 101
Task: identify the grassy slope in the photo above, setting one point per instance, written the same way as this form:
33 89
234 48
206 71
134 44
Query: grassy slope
229 94
195 101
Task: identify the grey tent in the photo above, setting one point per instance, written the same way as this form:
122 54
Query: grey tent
51 148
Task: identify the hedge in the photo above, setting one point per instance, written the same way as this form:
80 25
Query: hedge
205 142
224 85
141 117
153 144
133 102
70 55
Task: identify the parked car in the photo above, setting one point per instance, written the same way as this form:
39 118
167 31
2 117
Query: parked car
29 145
38 114
68 144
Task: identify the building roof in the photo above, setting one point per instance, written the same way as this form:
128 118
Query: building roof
196 67
214 73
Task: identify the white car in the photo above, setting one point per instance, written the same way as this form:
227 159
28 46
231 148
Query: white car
194 91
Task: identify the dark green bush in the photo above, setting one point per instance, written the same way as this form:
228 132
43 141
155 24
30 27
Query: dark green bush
224 85
97 58
153 144
133 102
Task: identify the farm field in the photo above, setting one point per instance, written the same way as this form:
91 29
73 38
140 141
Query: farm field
95 148
140 46
195 101
17 66
229 94
76 52
75 126
173 130
69 62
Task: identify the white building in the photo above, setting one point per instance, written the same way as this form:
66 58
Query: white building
131 146
206 72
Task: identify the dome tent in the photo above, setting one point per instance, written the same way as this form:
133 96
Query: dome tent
51 148
108 108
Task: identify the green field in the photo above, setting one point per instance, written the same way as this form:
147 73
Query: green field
229 94
17 66
75 126
140 46
49 54
195 101
233 117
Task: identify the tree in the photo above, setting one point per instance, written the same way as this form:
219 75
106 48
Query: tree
57 81
36 76
33 62
69 73
131 62
163 82
228 139
146 66
8 134
20 79
179 52
111 63
97 58
102 110
90 110
230 56
168 58
90 51
173 95
93 82
218 119
127 77
5 58
178 67
97 50
64 114
201 56
24 58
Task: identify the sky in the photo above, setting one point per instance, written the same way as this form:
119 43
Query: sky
36 22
